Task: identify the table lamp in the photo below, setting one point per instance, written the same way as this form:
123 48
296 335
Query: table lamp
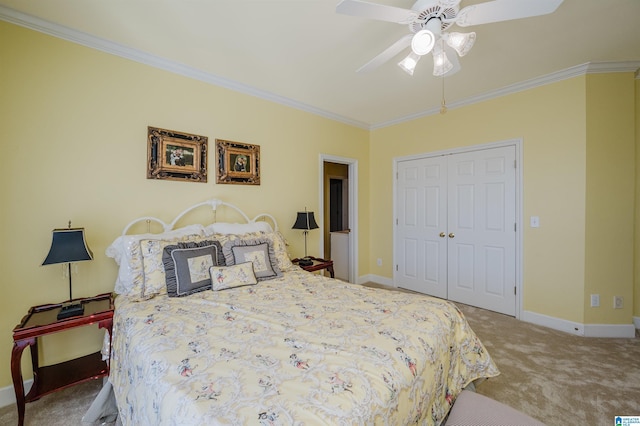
67 246
305 221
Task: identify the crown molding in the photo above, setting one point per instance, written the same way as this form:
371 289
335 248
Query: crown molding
575 71
88 40
612 67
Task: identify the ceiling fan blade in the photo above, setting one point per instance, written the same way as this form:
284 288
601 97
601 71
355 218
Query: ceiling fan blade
380 12
504 10
387 54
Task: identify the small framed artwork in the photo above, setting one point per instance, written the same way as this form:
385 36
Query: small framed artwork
176 156
238 163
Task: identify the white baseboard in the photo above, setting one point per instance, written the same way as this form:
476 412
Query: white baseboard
576 328
587 330
8 394
552 322
377 279
610 330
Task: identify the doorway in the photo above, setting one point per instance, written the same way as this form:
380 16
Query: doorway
338 195
456 234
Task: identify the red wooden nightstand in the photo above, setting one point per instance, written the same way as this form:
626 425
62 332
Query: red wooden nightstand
318 265
41 320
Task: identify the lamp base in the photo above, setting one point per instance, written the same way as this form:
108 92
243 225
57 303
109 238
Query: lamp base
305 261
71 310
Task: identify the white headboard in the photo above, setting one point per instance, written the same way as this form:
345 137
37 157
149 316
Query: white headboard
213 203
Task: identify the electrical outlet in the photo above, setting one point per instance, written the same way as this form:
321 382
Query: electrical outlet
617 302
595 300
379 262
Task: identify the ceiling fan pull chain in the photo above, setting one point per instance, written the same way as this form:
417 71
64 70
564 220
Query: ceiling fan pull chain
443 103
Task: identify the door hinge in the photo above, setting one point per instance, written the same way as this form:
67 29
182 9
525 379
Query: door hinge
515 164
515 291
396 221
396 268
515 227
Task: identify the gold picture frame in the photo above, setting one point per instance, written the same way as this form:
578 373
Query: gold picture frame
238 163
176 155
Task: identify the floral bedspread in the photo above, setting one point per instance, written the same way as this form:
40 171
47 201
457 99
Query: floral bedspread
298 350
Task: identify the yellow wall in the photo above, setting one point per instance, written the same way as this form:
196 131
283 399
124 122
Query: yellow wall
636 291
552 122
73 134
610 196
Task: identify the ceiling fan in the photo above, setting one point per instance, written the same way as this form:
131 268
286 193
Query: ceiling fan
428 22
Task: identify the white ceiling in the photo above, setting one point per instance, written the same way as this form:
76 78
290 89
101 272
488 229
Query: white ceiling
301 53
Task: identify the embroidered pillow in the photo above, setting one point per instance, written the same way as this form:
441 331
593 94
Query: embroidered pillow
238 275
153 262
278 244
258 251
187 267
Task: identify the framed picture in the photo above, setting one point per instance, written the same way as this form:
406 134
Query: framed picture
176 156
238 163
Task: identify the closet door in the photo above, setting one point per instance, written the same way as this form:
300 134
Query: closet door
481 232
455 234
421 208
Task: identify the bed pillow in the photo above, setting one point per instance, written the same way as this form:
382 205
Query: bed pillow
238 275
276 239
125 250
155 281
237 228
280 250
187 267
259 251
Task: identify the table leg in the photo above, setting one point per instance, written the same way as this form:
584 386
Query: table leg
108 325
330 269
16 374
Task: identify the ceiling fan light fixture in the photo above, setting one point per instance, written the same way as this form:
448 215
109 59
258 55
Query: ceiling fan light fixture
460 42
423 42
441 64
408 64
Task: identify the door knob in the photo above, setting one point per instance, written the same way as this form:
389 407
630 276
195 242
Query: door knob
451 235
442 235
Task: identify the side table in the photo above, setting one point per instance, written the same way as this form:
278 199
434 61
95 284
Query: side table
41 320
318 265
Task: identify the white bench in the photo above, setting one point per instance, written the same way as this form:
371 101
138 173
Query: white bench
473 409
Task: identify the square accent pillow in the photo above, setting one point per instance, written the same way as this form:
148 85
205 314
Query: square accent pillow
258 251
155 280
187 265
238 275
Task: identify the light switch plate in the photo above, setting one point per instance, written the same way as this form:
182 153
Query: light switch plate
535 222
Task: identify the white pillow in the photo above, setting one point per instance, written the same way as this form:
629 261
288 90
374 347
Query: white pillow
237 228
125 250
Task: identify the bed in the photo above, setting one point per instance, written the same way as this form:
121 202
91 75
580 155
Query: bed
264 342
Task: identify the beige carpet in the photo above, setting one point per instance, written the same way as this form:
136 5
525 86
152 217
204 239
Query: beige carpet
554 377
64 408
559 378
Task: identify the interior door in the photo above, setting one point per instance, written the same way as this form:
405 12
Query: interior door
421 220
455 236
481 232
